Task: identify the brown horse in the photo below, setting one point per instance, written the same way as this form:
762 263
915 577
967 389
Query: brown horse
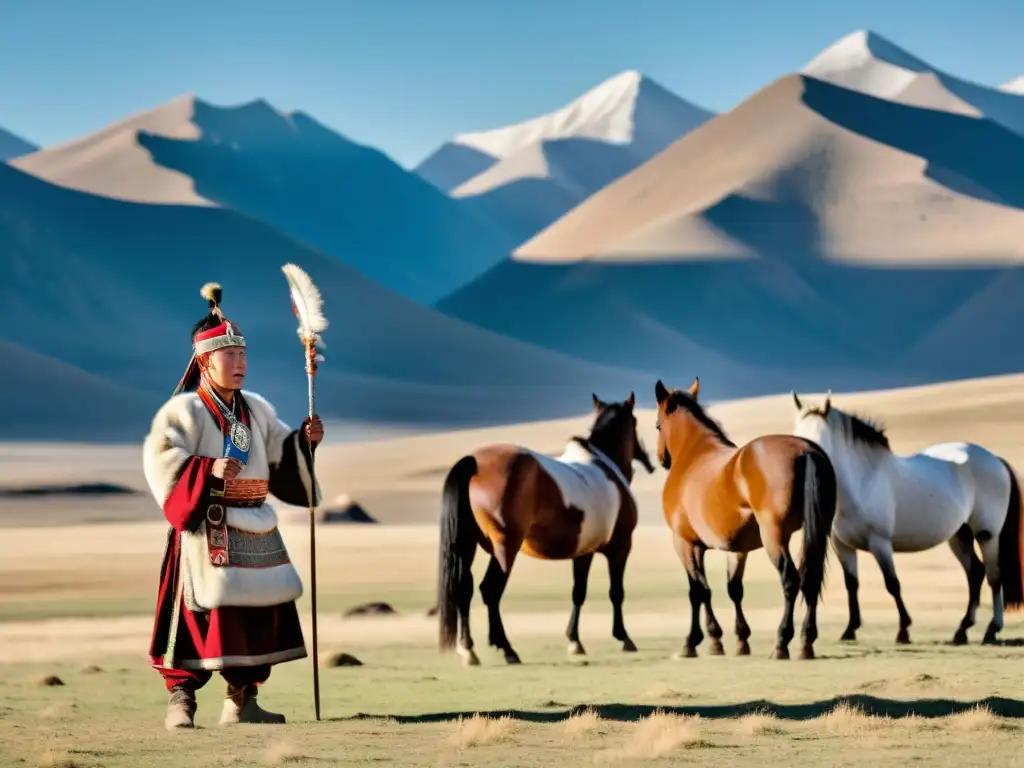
720 496
507 498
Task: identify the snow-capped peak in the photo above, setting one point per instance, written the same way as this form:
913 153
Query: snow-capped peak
604 113
1014 86
860 48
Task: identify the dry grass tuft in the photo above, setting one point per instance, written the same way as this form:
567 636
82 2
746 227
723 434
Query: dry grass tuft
659 734
479 730
57 758
847 720
282 752
978 718
664 692
92 669
760 724
581 723
51 680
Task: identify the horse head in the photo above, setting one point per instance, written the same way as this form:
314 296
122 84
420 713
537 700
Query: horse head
614 433
812 422
683 401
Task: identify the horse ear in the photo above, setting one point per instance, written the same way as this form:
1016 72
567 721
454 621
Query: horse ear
828 402
796 401
695 387
660 393
631 400
598 405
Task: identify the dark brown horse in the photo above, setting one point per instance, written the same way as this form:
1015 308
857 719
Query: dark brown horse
720 496
507 498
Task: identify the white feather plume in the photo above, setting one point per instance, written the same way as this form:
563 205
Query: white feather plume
306 300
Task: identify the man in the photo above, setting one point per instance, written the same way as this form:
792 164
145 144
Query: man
227 586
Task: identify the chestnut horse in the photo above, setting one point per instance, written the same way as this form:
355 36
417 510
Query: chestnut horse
507 498
720 496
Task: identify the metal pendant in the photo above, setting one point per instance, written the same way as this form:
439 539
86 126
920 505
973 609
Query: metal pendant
241 438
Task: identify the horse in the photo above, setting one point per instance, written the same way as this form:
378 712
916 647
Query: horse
953 492
737 499
507 498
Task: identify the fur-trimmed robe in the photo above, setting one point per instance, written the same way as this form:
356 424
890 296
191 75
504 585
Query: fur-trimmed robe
185 439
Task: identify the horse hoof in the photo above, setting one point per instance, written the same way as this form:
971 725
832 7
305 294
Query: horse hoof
807 652
686 653
511 657
469 658
960 638
849 636
716 648
576 648
903 637
628 646
990 637
743 648
780 653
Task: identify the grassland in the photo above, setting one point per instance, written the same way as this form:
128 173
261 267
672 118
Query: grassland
78 581
870 703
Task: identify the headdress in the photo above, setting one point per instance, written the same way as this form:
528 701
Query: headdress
212 332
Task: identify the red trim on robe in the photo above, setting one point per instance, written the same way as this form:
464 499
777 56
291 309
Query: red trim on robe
232 636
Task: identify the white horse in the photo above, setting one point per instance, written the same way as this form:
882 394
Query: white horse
954 492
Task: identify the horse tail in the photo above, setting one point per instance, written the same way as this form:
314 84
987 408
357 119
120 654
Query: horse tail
457 540
816 492
1011 542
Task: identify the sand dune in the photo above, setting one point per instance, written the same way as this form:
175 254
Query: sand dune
12 146
111 288
292 173
525 176
867 62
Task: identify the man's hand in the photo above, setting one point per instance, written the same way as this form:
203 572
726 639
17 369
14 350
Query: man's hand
227 469
314 429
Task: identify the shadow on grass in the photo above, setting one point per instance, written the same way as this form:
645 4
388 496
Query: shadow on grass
871 705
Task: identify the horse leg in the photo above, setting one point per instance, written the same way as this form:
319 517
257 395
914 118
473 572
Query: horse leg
990 556
848 560
580 572
778 552
491 589
463 599
711 623
737 565
687 555
617 593
962 545
882 550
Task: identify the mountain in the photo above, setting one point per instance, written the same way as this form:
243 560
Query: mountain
109 290
291 172
865 61
12 146
57 401
1013 86
525 176
811 234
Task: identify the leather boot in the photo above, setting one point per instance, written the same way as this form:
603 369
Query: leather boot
181 708
240 707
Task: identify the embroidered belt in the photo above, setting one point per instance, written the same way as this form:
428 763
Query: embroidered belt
222 539
245 493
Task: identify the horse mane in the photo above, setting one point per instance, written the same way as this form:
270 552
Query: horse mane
683 400
860 429
600 430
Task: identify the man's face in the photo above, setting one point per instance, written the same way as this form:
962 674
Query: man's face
226 367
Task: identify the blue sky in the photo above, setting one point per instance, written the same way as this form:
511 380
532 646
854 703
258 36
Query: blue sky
405 75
